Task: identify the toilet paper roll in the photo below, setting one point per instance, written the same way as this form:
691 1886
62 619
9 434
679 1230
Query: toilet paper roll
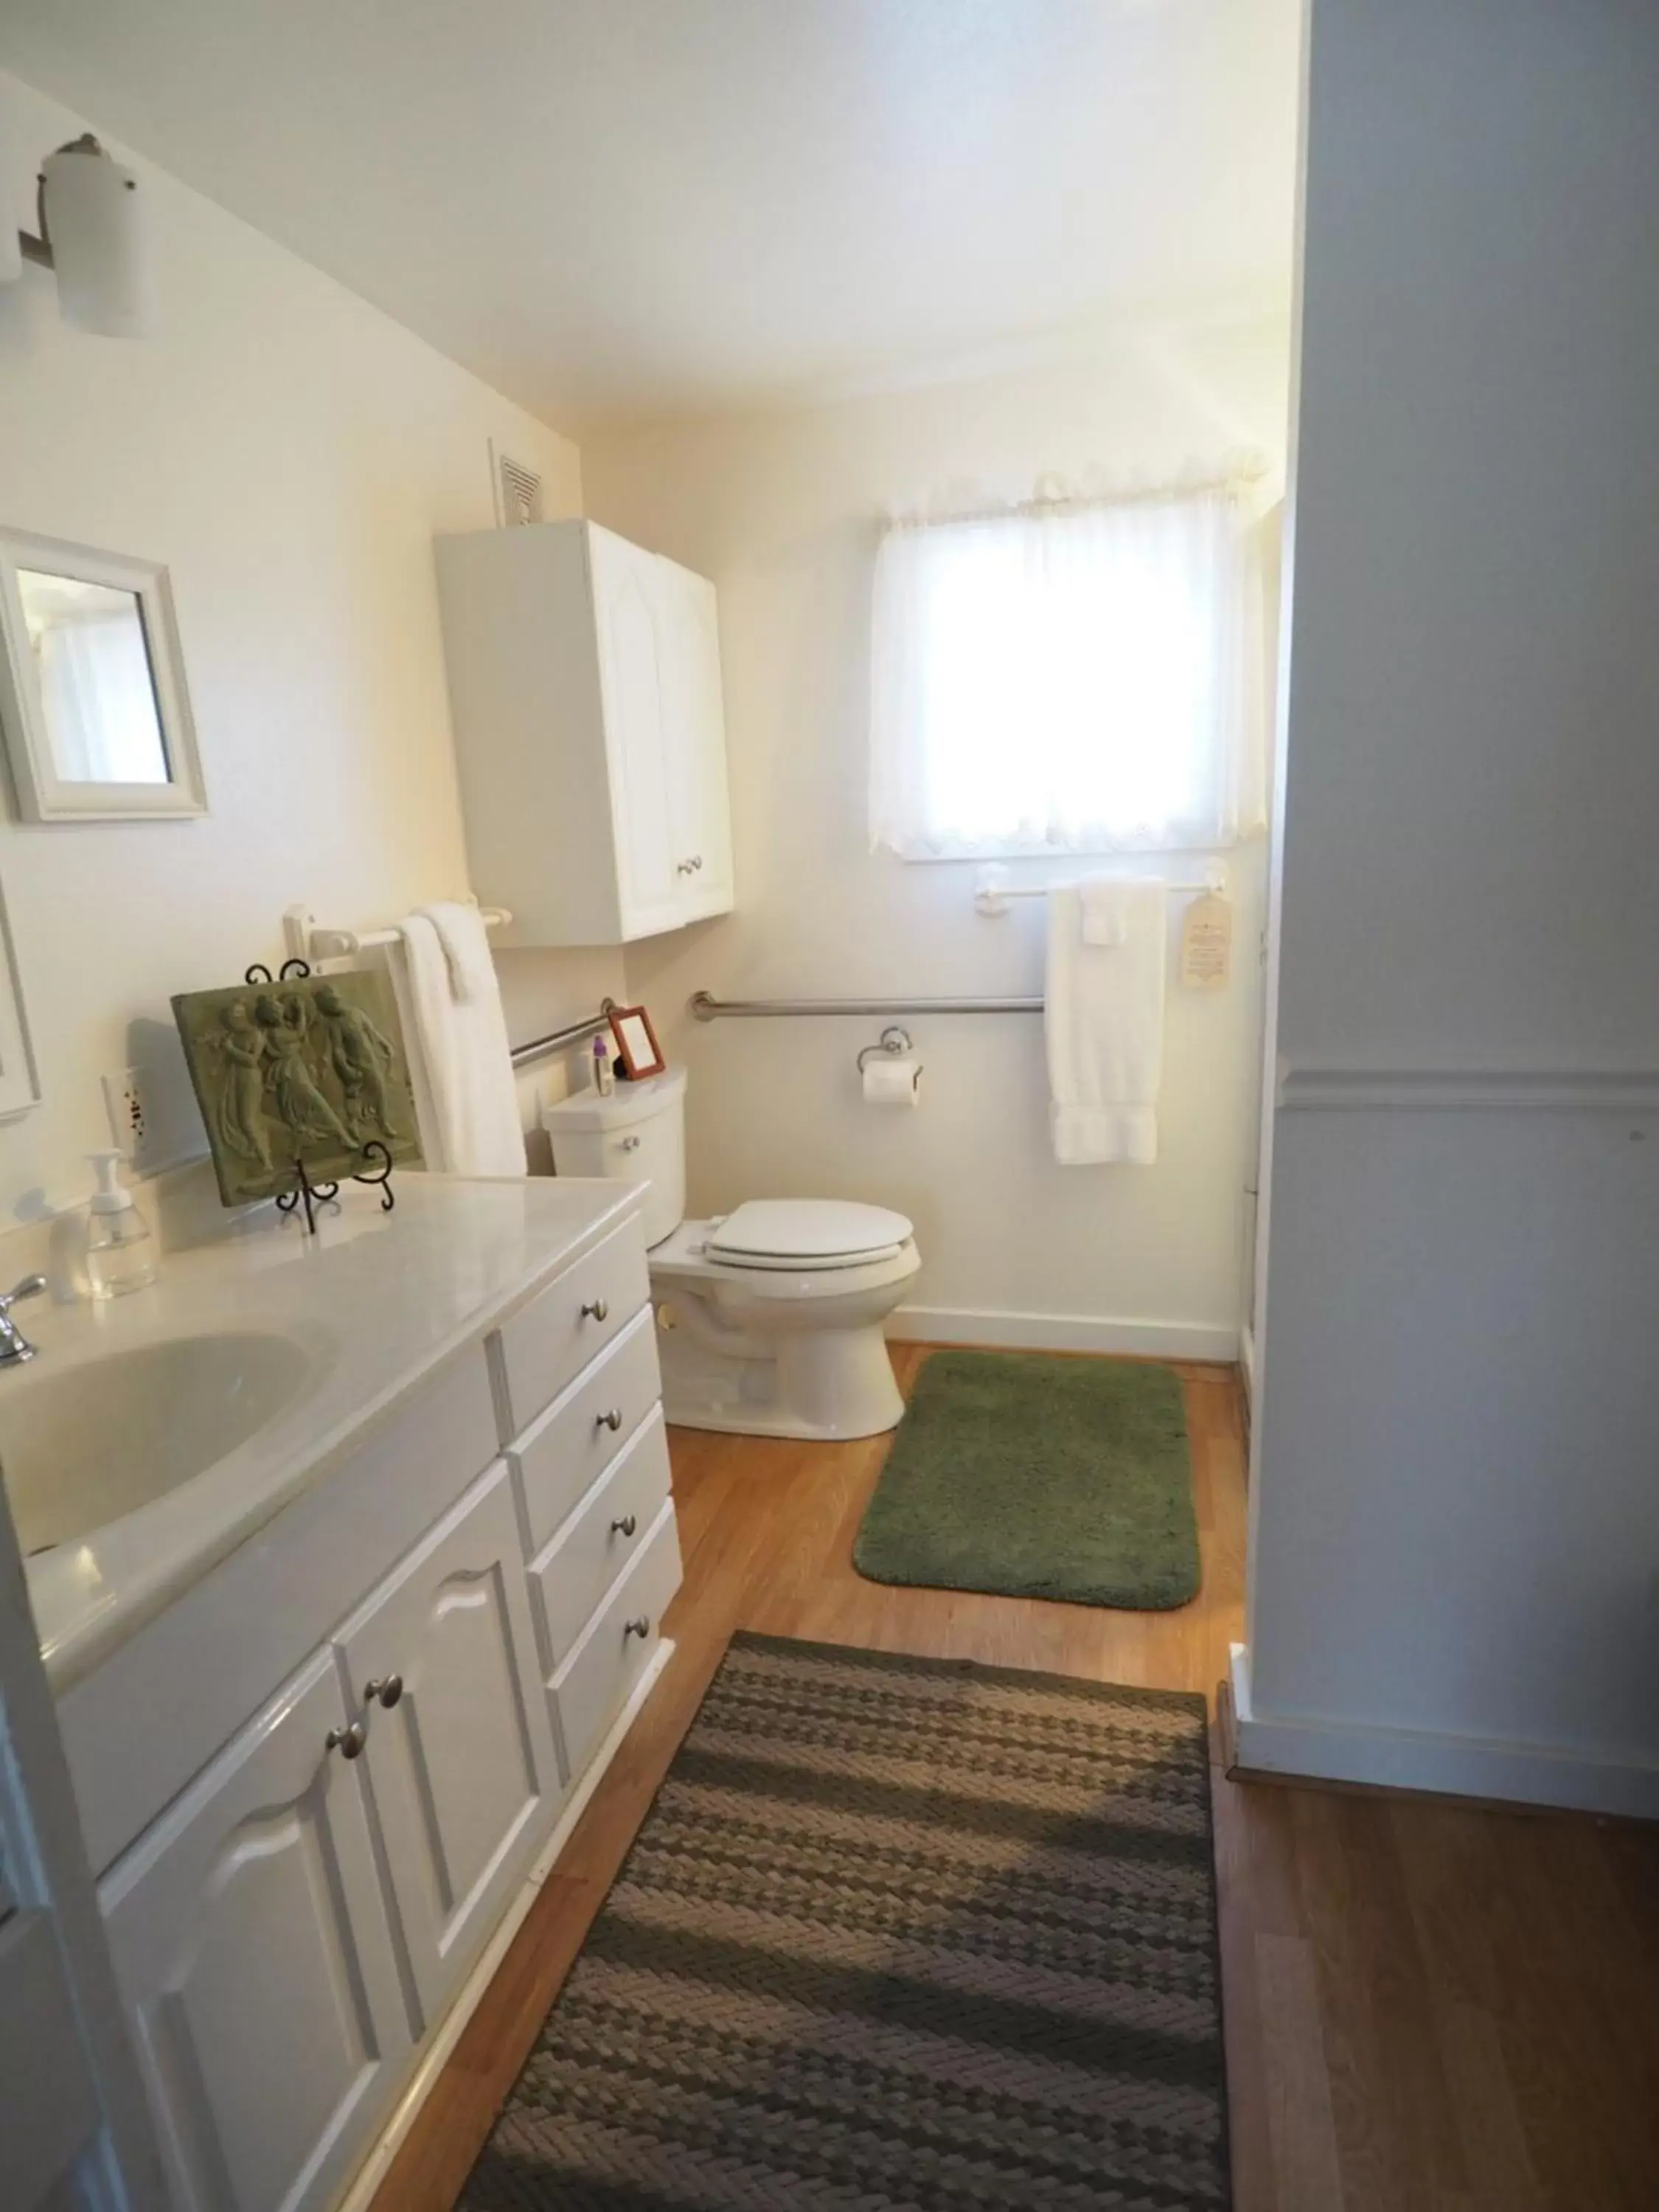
894 1080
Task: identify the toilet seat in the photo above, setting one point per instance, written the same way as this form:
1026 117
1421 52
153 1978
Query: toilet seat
806 1233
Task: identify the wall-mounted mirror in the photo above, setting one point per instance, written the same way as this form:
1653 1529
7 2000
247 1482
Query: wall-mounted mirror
92 686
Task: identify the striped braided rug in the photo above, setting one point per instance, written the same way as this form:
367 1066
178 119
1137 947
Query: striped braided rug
898 1933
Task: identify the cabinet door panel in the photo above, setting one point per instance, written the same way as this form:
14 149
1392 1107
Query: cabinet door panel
628 618
462 1765
694 723
250 1939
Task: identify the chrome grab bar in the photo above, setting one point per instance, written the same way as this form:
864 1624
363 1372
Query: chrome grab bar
707 1008
562 1039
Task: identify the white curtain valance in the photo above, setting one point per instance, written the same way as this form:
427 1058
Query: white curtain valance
1070 677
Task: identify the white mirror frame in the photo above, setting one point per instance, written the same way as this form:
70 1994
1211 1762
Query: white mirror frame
20 1071
42 794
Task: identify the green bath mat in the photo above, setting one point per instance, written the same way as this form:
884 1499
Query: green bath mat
1029 1476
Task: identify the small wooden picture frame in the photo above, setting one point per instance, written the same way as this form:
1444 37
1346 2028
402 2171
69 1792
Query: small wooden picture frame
636 1042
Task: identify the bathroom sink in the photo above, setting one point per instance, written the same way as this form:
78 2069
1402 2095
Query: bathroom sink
84 1446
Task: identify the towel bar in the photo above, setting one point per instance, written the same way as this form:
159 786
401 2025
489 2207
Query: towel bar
992 891
305 941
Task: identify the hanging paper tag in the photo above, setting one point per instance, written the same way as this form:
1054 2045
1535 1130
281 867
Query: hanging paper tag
1207 943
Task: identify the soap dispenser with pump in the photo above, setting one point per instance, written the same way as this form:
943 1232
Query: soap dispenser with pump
120 1250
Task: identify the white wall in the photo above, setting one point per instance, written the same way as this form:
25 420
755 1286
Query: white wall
290 453
781 510
1455 1555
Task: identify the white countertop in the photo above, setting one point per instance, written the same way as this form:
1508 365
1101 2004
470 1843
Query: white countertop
377 1300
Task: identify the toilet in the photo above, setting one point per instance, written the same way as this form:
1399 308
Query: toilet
769 1318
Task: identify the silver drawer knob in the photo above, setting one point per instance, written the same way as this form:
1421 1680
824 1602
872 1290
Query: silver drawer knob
625 1526
641 1627
630 1144
596 1310
348 1741
384 1689
612 1420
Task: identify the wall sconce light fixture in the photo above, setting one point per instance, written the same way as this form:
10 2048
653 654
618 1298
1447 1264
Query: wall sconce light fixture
95 240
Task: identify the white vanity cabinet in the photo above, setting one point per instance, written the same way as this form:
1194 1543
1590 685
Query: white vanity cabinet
441 1663
590 732
254 1952
434 1643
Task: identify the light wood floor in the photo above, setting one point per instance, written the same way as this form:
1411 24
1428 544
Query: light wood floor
1429 2008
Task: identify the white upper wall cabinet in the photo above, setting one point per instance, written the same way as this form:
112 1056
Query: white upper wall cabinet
585 681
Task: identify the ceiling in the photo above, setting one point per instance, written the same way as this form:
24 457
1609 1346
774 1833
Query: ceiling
618 208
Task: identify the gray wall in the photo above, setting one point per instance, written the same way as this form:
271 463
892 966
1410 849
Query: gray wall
1457 1496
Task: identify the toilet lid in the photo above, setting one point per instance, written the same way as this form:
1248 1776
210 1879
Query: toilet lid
804 1229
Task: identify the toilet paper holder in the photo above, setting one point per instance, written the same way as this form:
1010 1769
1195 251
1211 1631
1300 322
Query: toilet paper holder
894 1041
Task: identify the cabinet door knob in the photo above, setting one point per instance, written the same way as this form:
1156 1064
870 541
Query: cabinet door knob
596 1310
612 1420
384 1689
696 859
684 867
630 1144
625 1527
640 1627
348 1741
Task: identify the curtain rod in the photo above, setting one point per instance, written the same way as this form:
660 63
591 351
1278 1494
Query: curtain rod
1237 479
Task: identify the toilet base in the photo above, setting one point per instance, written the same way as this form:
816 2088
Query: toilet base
825 1386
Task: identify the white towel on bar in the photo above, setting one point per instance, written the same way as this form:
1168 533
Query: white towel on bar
1103 1016
466 948
459 1061
1105 910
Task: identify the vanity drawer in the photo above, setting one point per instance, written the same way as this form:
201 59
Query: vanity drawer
560 1457
595 1681
572 1574
546 1342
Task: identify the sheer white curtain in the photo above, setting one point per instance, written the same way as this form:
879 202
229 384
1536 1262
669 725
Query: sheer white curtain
1073 676
99 700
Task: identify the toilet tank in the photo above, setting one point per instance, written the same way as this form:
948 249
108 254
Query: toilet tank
636 1135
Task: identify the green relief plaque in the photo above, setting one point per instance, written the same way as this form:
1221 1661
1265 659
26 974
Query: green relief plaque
312 1070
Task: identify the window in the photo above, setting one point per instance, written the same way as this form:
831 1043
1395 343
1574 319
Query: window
1074 677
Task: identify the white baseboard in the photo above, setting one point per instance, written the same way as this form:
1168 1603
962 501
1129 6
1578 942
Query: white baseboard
436 2051
1247 1364
1038 1332
1413 1759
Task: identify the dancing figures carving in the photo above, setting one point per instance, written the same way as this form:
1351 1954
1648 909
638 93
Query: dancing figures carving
307 1069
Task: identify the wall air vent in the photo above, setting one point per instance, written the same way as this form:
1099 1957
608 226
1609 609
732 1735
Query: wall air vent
518 491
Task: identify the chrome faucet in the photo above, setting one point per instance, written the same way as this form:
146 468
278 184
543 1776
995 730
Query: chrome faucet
15 1347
